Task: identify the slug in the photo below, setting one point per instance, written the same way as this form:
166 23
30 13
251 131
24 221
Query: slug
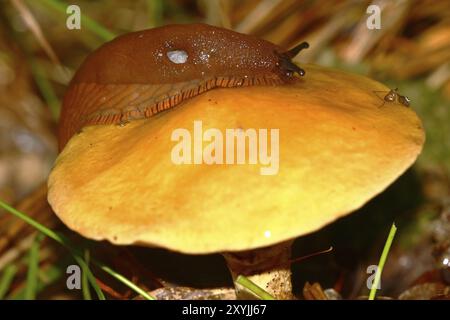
140 74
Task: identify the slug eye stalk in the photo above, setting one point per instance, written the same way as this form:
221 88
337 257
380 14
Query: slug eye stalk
286 63
296 50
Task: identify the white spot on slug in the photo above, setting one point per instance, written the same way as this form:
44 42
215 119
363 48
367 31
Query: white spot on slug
267 234
177 56
204 57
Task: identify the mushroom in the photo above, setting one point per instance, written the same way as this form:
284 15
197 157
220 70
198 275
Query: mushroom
337 150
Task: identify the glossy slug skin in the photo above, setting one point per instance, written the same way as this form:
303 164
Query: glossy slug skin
133 76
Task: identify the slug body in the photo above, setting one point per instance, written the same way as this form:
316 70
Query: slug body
140 74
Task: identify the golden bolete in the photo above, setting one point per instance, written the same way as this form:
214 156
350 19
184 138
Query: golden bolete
337 149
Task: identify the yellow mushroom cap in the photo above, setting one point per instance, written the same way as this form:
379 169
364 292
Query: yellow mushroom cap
337 149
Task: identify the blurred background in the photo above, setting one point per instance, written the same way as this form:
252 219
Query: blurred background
411 51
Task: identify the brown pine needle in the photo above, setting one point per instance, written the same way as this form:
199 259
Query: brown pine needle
311 255
32 24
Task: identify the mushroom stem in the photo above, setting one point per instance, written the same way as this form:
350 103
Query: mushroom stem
268 267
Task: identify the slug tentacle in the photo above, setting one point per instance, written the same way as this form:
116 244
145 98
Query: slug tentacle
296 50
288 67
285 62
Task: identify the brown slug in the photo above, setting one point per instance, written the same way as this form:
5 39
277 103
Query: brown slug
140 74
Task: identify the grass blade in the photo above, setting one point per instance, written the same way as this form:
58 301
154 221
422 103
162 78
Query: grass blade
75 252
383 258
84 278
86 21
6 279
155 9
125 281
48 232
48 275
33 268
45 88
90 277
255 289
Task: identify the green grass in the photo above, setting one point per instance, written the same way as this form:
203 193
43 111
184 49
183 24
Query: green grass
90 277
46 277
84 278
77 253
33 268
87 22
254 288
382 261
7 278
45 88
155 10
